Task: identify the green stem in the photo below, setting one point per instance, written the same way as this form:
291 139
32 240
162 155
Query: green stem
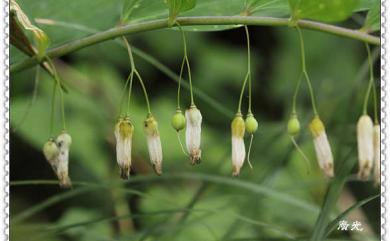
190 21
58 82
130 76
32 101
370 85
179 84
53 100
294 105
132 66
313 103
249 70
144 90
187 62
129 93
242 93
135 71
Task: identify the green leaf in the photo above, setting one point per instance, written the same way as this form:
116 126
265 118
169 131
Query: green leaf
323 10
331 226
177 6
373 19
332 195
128 7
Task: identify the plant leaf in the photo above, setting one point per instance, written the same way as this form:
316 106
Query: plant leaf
128 7
373 19
322 10
177 6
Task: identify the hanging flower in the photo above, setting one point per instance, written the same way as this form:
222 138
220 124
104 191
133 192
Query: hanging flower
322 146
193 134
377 154
154 143
63 142
365 140
238 146
123 134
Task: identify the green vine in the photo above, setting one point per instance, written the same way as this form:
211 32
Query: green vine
190 21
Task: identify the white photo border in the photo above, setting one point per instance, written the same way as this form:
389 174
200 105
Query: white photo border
4 110
385 140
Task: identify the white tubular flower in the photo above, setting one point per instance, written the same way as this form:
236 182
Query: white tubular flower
322 146
154 143
238 146
365 140
123 134
193 134
377 154
63 142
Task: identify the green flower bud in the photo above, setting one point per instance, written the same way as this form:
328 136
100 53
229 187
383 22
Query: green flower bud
293 126
251 124
178 121
50 150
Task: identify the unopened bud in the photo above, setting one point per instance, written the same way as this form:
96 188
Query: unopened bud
251 124
178 121
293 125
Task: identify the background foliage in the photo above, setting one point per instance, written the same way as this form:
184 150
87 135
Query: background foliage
280 199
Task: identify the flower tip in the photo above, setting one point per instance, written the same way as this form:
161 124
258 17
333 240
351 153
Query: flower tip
364 172
236 171
157 168
195 156
328 170
65 182
125 172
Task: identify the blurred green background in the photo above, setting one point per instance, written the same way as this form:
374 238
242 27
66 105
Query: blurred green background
280 199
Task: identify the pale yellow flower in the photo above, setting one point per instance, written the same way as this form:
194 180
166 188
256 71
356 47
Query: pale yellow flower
238 145
123 134
154 143
63 142
365 140
193 134
322 146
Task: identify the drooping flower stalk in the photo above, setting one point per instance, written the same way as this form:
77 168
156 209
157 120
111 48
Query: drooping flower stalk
150 124
193 118
178 121
322 146
154 143
305 74
377 129
124 130
251 123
